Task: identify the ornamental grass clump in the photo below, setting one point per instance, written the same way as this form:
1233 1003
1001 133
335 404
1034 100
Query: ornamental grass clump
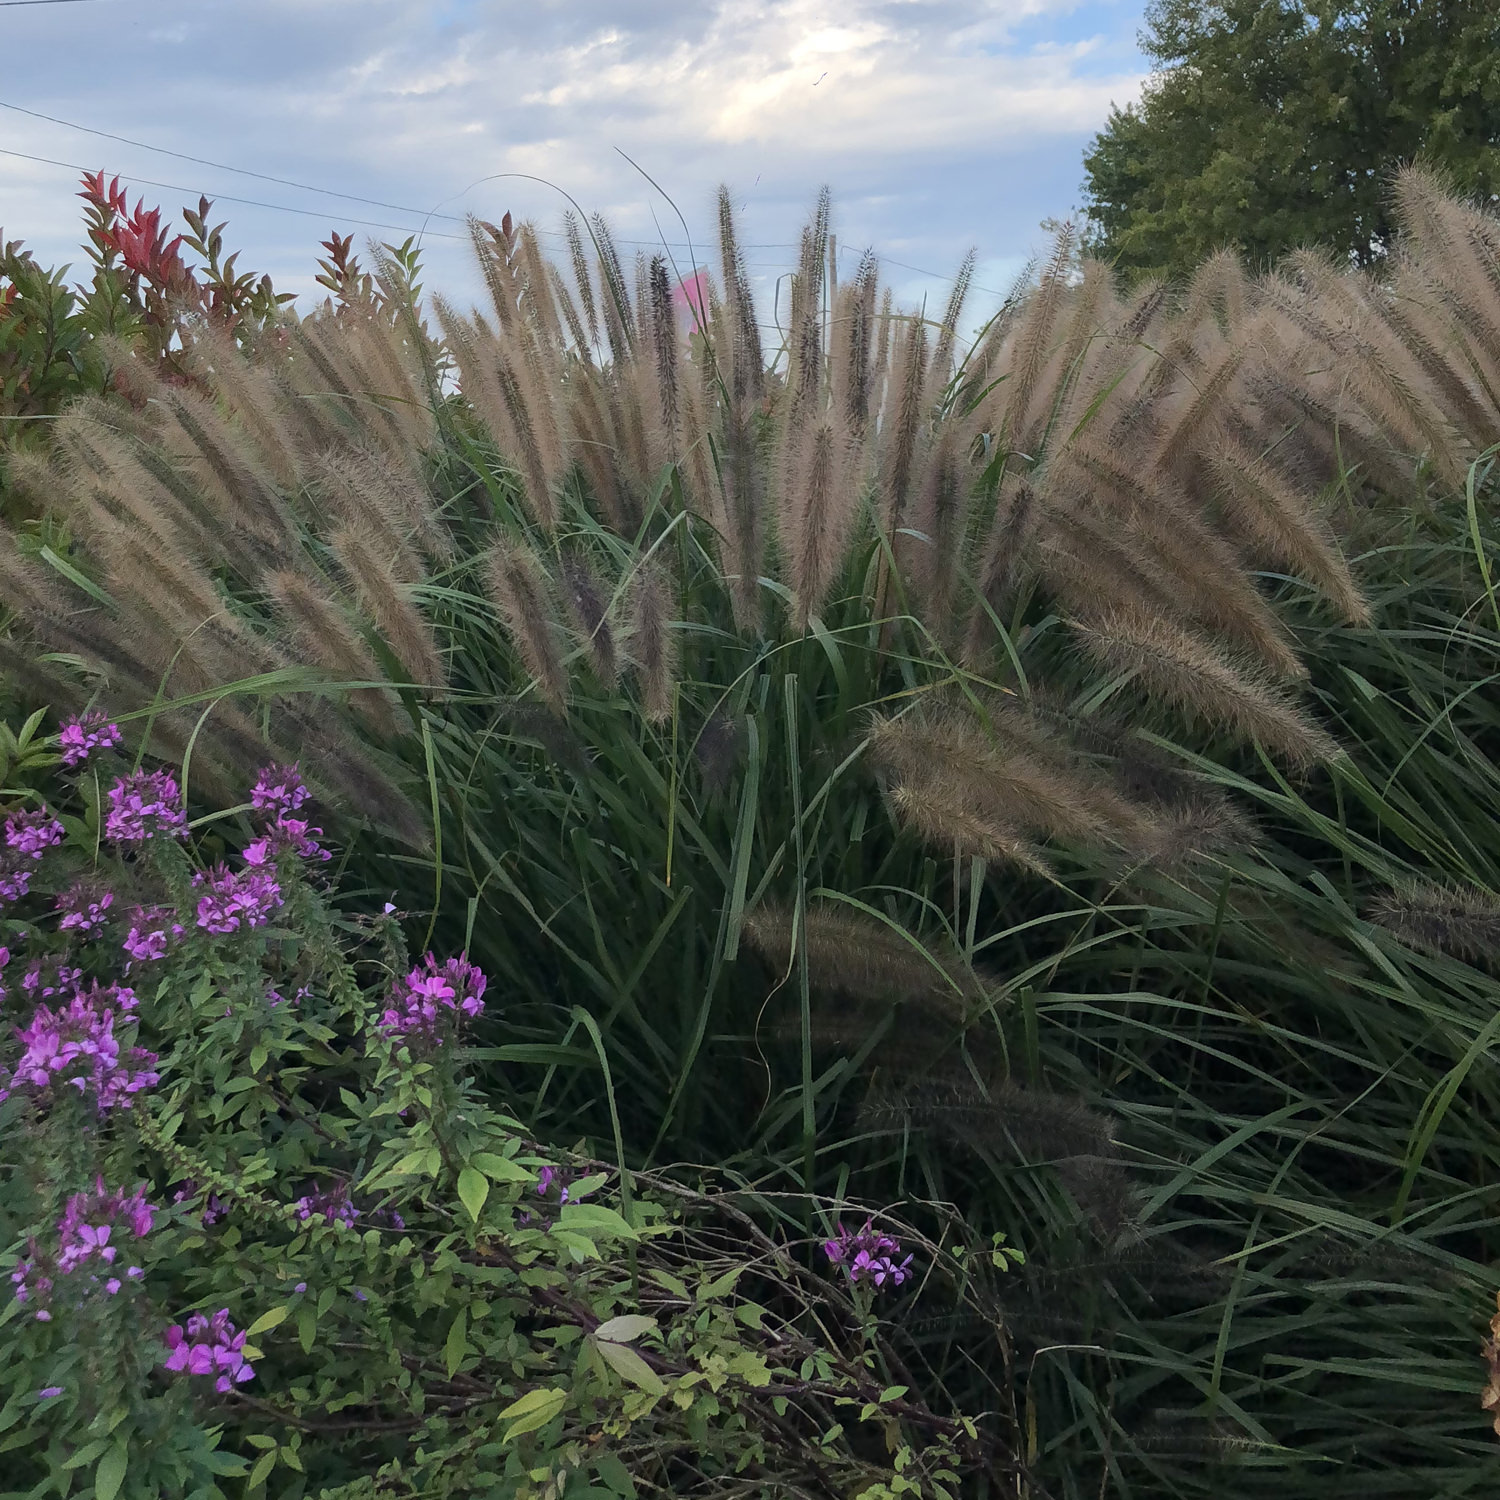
257 1217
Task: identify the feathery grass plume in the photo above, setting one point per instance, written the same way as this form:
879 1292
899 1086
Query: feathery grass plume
396 392
1456 246
402 502
931 557
743 543
1033 341
937 818
1263 508
853 338
1219 290
614 298
581 278
520 590
494 247
901 425
1065 391
588 604
1367 366
746 362
699 473
885 324
251 395
1012 528
718 749
496 385
942 352
1144 309
805 323
581 343
1417 317
662 342
851 953
1206 575
1005 777
653 642
819 504
243 492
642 298
1459 921
1201 411
99 466
369 512
1181 667
598 455
328 370
537 288
324 637
1004 1116
386 600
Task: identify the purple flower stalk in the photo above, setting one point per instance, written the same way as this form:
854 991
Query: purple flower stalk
868 1255
150 928
286 833
84 910
75 1046
31 834
434 997
79 738
90 1233
278 790
143 805
15 879
333 1205
235 898
209 1347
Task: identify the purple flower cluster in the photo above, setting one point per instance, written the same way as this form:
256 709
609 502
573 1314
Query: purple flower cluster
333 1205
143 805
214 1208
868 1255
209 1347
236 897
84 909
90 1231
278 790
79 738
76 1045
150 927
31 834
432 997
15 879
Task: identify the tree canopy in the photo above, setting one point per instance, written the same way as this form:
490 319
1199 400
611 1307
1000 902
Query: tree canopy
1270 124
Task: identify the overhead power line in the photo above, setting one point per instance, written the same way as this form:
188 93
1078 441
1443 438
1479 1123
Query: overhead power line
218 166
4 3
177 187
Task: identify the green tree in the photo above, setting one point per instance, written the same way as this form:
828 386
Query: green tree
1274 123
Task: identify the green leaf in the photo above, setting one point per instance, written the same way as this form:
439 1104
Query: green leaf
626 1363
623 1330
456 1345
501 1168
307 1326
272 1318
110 1474
263 1466
534 1409
586 1216
473 1189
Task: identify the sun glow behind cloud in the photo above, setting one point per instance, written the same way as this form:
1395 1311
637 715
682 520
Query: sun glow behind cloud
939 123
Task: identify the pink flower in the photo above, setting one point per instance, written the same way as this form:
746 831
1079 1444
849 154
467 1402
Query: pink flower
431 1000
31 834
246 897
278 790
206 1347
80 737
143 805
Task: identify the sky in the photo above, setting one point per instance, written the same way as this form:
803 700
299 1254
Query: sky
940 125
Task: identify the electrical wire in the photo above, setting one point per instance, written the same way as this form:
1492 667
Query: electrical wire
177 187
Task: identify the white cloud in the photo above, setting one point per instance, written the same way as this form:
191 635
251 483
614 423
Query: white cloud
940 123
